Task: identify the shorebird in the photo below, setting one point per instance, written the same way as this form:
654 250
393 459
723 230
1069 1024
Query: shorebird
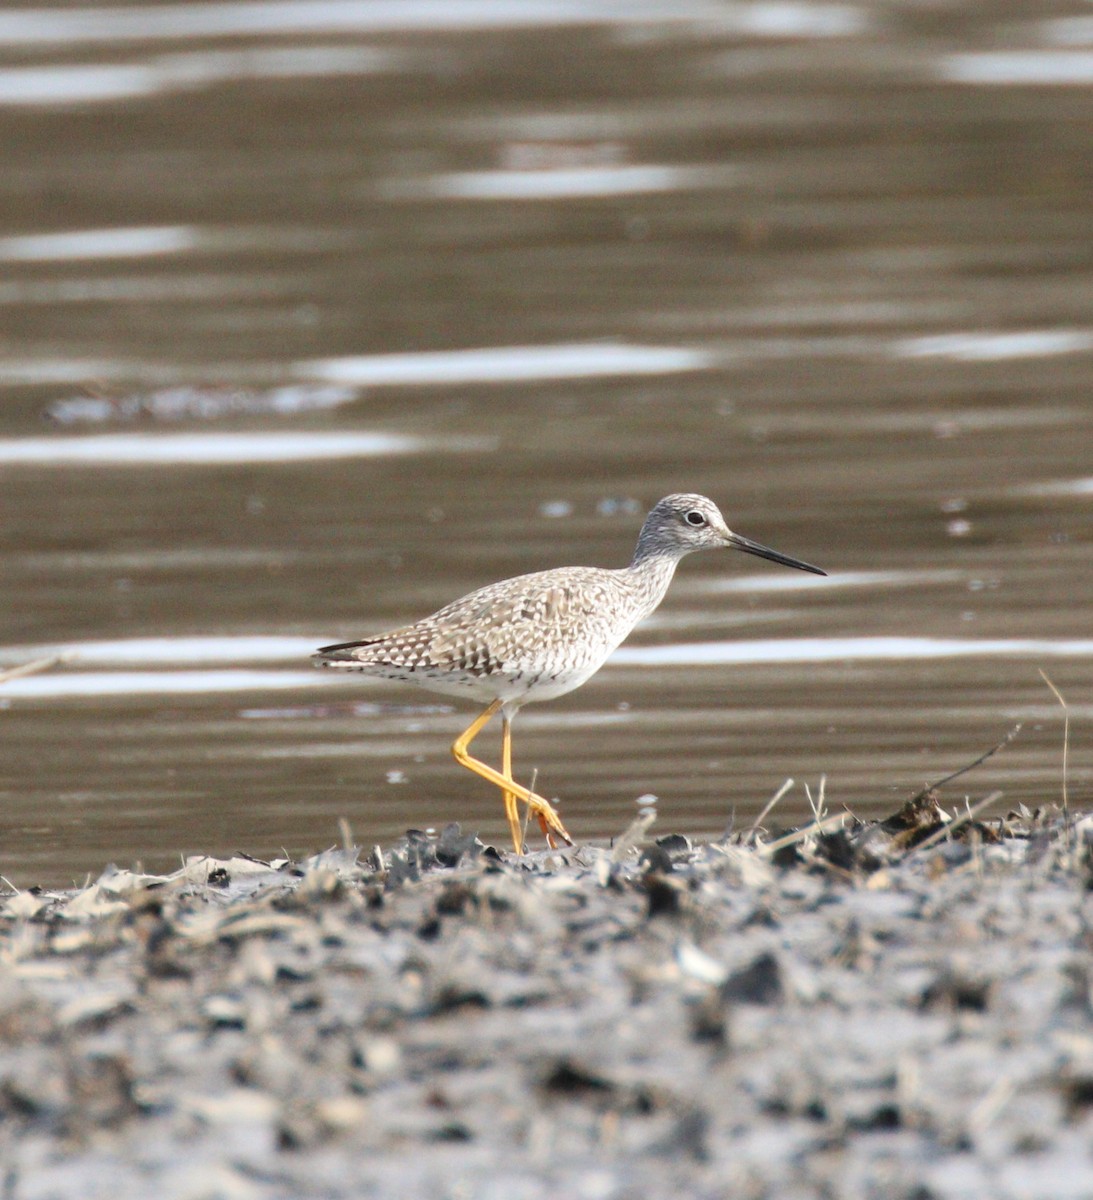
535 637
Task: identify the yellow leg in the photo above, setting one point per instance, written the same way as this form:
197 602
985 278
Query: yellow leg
511 811
512 791
510 799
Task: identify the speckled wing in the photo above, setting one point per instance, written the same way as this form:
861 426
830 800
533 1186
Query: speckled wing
543 623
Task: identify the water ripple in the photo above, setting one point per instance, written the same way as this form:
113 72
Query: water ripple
504 364
143 449
851 649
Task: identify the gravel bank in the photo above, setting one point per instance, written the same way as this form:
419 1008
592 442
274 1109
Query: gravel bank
894 1010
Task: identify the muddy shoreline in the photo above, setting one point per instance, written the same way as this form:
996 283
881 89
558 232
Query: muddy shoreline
896 1009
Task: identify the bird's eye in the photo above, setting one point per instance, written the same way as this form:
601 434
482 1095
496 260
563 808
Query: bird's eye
694 517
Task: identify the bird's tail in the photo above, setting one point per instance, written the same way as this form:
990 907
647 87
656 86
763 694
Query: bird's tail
344 654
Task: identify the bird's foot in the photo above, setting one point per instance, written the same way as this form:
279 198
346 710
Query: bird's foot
550 823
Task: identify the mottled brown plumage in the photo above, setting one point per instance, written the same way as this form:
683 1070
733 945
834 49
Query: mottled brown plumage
535 637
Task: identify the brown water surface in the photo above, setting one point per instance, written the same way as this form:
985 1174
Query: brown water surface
313 319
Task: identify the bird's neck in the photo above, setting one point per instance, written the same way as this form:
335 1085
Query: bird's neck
651 574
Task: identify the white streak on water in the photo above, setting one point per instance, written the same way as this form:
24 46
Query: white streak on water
180 651
69 681
142 449
74 83
800 582
504 364
144 241
87 83
197 403
1060 68
782 18
789 19
16 372
146 683
559 183
1064 487
820 650
232 558
987 347
133 242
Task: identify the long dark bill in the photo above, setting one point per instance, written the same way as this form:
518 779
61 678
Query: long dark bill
749 547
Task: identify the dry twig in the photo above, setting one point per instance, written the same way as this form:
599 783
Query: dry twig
799 835
1066 751
750 835
970 767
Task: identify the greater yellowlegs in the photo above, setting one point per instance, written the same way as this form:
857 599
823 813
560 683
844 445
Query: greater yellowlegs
534 637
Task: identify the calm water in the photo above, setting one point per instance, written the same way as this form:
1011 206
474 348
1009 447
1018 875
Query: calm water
316 316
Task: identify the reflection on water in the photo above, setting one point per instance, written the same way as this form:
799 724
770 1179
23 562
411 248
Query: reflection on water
697 654
143 449
983 347
1022 67
98 243
1062 487
563 183
102 83
197 404
507 364
151 683
842 579
351 312
264 18
189 651
851 650
175 650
